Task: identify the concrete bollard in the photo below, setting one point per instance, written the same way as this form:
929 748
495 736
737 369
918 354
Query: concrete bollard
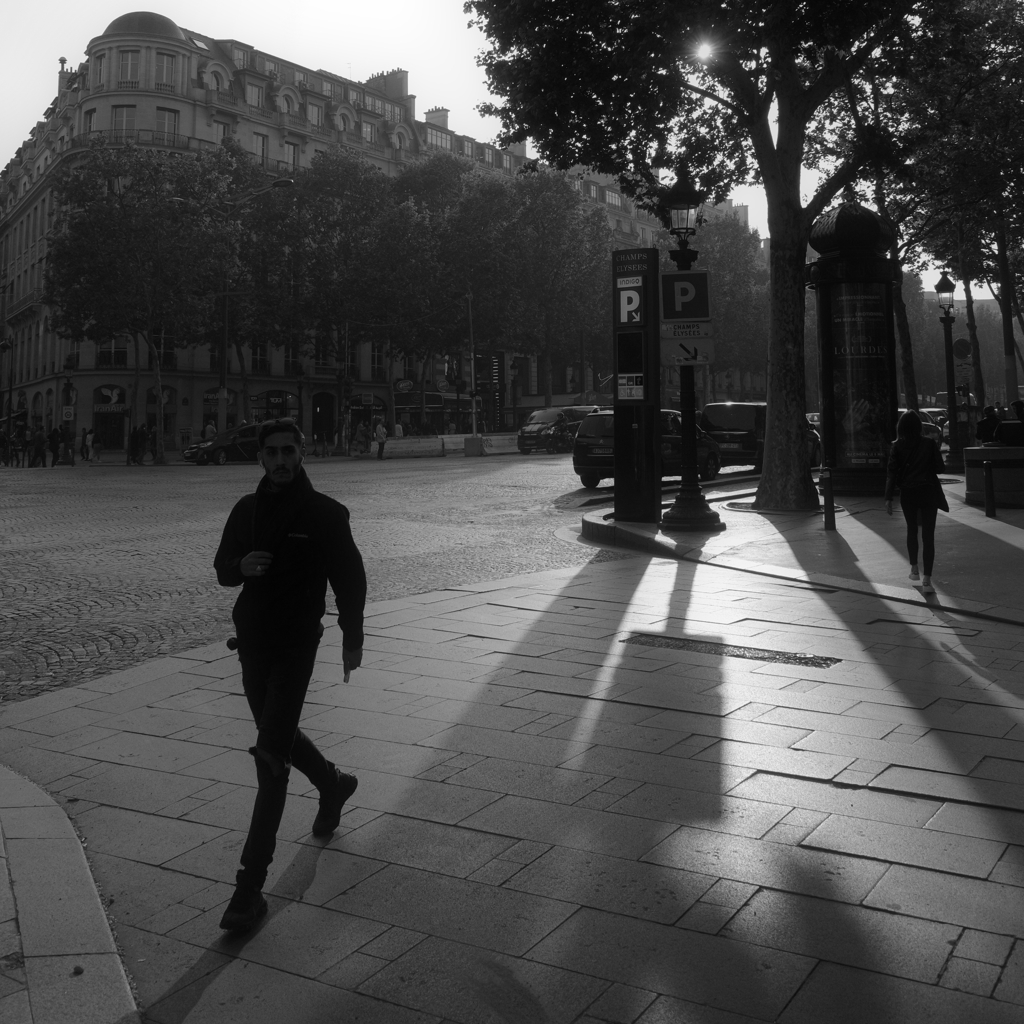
990 490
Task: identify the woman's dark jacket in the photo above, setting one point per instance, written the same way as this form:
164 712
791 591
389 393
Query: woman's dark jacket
913 464
308 534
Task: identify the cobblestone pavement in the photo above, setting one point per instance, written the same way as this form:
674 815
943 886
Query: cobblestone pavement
104 567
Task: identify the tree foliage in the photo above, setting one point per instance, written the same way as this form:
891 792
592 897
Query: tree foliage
720 91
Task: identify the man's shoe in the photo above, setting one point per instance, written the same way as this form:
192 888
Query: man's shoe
331 803
247 906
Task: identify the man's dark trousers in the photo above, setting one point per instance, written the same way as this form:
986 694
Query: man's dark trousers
275 682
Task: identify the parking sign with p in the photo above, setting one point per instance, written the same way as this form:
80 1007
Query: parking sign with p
684 296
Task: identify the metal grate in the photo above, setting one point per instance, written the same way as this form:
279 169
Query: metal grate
730 651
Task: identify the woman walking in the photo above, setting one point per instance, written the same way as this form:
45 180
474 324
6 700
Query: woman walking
914 467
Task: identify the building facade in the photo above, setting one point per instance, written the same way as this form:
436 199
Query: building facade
148 81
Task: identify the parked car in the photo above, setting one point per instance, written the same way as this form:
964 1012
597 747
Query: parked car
929 428
593 454
551 429
237 445
739 427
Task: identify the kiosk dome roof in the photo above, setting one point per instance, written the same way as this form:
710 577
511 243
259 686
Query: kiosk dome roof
144 23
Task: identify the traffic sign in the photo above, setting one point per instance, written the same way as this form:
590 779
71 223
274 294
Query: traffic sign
686 329
685 296
69 412
687 353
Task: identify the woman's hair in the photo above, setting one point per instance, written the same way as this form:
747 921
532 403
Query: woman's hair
909 426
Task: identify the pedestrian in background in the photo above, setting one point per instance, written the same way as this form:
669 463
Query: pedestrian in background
381 436
209 431
987 430
53 440
361 440
914 467
283 545
95 447
84 449
399 432
68 440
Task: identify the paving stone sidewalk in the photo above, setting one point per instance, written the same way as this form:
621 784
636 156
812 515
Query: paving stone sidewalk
556 826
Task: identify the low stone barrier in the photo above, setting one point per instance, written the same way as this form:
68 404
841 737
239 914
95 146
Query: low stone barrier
1007 475
491 444
412 448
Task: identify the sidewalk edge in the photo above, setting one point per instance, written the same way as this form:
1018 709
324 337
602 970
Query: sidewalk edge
54 973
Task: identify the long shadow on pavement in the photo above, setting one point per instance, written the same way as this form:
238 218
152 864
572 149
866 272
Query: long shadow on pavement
933 797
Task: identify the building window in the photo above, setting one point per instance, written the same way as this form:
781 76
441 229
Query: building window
260 361
291 154
112 353
300 76
101 68
271 67
223 130
315 113
123 119
592 190
240 57
218 82
355 97
368 132
129 67
260 147
377 361
441 140
254 95
612 198
89 122
488 155
164 69
506 161
292 360
166 124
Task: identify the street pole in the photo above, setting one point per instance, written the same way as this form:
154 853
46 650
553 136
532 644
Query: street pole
222 380
472 358
955 455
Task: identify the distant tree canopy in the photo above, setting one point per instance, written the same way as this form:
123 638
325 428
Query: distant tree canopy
187 250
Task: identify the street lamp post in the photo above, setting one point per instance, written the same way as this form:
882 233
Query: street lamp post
300 379
690 510
955 456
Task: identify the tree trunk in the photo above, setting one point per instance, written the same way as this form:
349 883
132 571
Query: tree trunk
972 331
158 384
786 481
1006 309
903 334
246 411
133 419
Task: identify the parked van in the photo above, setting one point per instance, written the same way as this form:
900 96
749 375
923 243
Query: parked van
552 429
739 427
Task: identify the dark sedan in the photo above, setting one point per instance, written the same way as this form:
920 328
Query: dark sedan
593 453
237 445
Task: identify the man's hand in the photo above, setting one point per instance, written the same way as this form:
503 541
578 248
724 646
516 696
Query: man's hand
256 563
351 659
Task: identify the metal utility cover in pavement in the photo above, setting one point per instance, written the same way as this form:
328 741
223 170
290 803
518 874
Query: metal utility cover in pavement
730 651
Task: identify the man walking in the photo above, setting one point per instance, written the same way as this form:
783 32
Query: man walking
283 544
380 436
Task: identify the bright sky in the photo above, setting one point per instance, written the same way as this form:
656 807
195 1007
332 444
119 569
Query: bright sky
429 38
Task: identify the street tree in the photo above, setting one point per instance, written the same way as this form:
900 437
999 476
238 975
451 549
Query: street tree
559 250
127 256
720 91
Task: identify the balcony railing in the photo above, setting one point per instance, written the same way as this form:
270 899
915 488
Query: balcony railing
30 298
141 136
164 87
106 358
127 83
221 98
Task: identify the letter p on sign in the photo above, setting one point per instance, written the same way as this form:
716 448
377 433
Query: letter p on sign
684 293
629 306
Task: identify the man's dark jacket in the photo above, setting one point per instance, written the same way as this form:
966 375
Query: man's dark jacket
309 536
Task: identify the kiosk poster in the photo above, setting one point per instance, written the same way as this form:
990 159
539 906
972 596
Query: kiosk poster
860 383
